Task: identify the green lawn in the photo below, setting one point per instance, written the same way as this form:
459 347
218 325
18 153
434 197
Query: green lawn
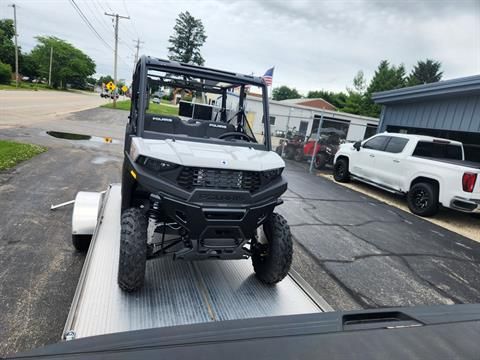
153 108
11 153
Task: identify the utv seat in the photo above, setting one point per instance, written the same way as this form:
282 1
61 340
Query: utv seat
161 123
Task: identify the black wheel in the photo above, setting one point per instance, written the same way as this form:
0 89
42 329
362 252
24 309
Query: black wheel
422 199
272 254
278 150
340 171
289 153
81 242
299 155
320 161
128 183
133 250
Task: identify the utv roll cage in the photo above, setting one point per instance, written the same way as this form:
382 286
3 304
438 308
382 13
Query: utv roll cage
181 75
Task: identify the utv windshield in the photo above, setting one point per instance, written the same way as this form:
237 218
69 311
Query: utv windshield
191 107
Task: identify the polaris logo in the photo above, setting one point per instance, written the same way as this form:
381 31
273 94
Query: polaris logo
218 126
161 119
221 197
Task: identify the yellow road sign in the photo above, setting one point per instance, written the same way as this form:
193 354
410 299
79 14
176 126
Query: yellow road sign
111 86
124 88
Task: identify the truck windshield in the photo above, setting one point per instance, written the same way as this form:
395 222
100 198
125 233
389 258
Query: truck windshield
438 150
188 106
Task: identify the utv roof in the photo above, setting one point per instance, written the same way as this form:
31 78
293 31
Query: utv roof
201 71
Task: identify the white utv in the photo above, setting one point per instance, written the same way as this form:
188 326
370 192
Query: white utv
196 183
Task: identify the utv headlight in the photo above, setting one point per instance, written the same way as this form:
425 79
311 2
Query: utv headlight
155 164
270 175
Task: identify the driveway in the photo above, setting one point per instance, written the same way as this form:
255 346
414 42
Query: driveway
355 251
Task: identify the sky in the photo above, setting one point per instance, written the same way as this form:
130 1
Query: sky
313 44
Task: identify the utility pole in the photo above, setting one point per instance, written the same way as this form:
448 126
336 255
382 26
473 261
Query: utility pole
117 17
50 67
136 53
16 42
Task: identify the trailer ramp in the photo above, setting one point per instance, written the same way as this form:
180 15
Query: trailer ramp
175 292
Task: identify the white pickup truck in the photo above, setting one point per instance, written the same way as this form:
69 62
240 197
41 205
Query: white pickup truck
430 171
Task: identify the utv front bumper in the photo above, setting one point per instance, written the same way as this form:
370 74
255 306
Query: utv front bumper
217 222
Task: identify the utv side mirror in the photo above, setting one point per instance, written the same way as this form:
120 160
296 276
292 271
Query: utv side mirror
357 145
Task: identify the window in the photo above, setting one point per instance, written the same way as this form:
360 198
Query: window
272 120
396 145
438 150
303 127
377 143
370 131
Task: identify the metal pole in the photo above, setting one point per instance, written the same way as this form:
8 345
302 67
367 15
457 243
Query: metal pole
16 42
50 67
117 17
316 141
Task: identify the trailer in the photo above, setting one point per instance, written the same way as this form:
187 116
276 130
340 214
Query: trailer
175 292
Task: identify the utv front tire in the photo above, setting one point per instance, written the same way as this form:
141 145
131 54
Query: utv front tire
133 250
320 161
299 155
272 260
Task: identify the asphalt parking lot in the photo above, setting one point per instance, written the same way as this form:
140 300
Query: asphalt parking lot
357 252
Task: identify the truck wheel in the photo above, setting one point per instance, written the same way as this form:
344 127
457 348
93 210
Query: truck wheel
340 171
299 155
81 242
320 161
133 250
422 199
272 257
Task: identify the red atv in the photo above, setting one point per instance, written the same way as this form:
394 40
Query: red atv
327 147
288 147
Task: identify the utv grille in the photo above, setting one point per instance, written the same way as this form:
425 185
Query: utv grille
191 178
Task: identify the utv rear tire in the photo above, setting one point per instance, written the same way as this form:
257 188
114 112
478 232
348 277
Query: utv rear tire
133 250
272 261
422 199
81 242
299 155
320 161
340 171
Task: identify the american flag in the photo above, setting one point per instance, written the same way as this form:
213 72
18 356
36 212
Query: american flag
268 77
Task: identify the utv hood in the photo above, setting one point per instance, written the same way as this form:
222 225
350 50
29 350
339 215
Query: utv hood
196 154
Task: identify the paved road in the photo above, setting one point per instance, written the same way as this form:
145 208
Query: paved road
355 251
26 108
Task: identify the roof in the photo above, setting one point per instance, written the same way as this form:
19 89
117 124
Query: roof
453 87
312 102
329 113
201 71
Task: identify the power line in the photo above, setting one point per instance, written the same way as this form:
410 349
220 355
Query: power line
100 19
89 24
133 22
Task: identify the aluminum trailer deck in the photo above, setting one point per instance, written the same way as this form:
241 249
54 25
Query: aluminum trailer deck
175 292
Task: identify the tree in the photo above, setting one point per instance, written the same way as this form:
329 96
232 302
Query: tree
104 80
425 72
336 99
70 65
7 47
28 66
187 39
284 92
5 73
356 100
386 77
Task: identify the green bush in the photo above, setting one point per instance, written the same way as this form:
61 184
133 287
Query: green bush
5 73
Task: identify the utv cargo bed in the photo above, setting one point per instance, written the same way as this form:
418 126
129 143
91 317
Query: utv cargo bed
175 292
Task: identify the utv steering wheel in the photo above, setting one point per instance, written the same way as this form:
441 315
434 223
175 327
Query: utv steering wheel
234 134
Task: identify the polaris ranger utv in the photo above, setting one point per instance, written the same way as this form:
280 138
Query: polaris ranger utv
196 183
